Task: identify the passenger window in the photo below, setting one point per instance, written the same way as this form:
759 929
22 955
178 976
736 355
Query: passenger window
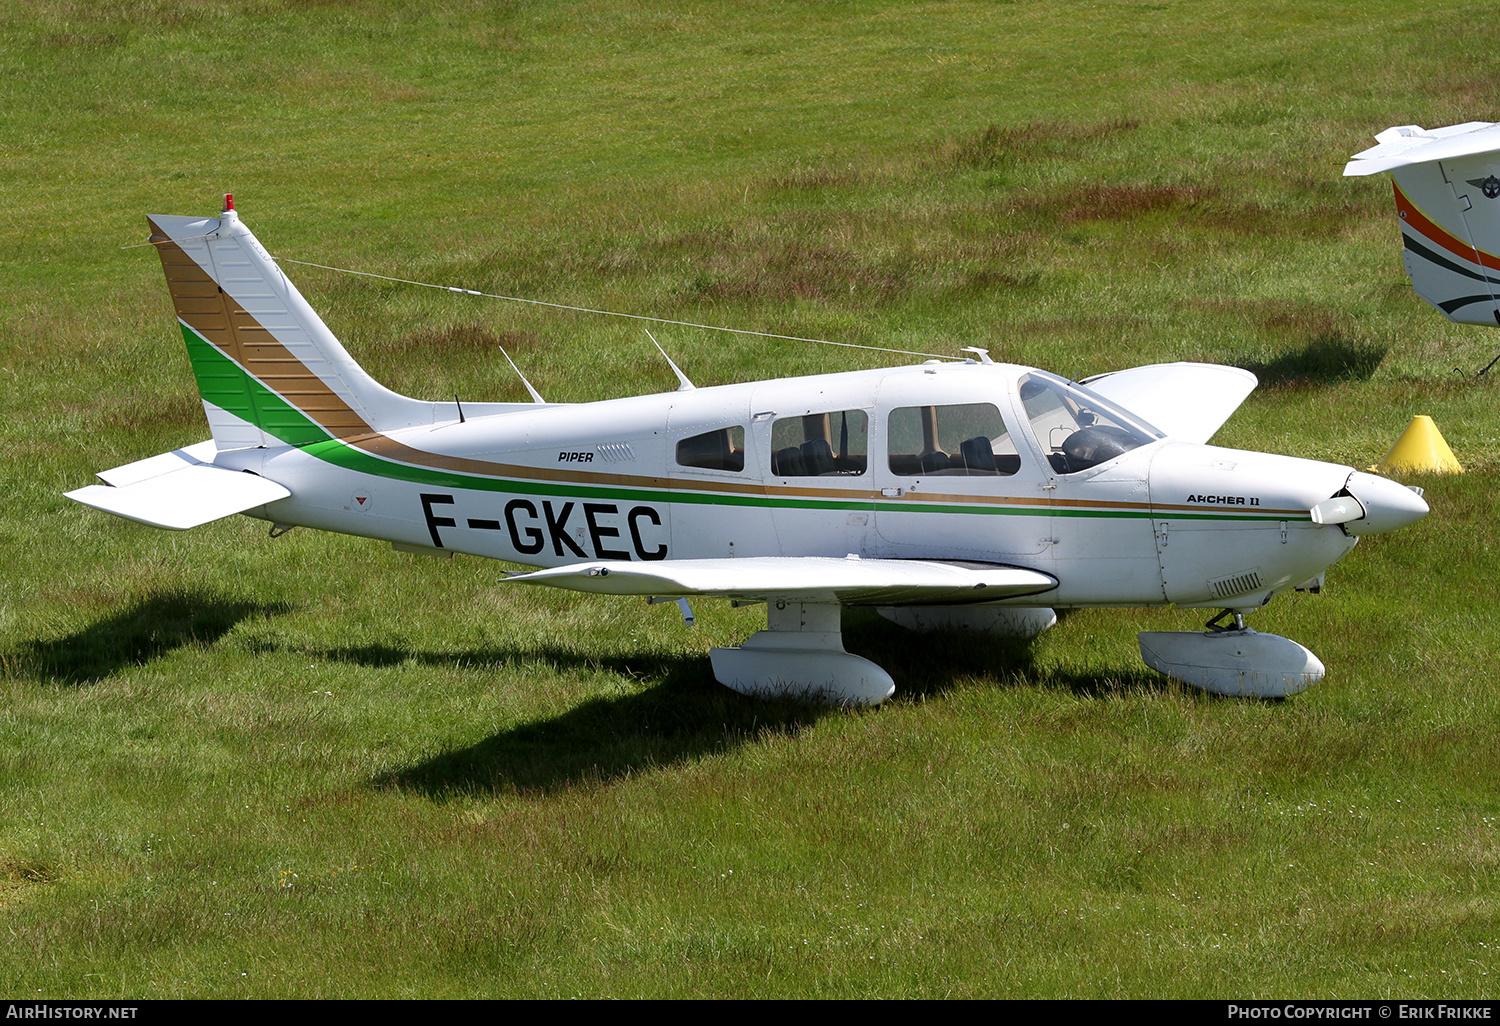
714 450
967 440
820 444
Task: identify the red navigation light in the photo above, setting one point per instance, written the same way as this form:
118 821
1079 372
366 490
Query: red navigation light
228 202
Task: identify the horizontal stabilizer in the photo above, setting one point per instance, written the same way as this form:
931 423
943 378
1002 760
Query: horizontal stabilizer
849 581
178 490
1186 401
1405 145
162 463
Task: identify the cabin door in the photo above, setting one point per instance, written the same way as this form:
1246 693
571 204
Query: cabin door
951 482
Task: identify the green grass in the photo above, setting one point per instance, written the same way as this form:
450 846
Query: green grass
315 767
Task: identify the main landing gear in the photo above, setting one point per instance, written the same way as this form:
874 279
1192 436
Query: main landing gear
801 654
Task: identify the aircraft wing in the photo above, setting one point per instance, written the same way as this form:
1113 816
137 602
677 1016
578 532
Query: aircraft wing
847 581
178 489
1187 401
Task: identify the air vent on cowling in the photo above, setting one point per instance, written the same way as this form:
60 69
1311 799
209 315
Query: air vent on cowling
1238 584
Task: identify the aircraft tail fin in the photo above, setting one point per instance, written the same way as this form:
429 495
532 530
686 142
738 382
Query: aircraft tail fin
1447 183
269 370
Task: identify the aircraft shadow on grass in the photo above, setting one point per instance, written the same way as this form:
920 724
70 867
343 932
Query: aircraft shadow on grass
146 630
1326 360
680 719
686 715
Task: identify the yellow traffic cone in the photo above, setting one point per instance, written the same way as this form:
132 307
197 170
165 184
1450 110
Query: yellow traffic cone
1420 450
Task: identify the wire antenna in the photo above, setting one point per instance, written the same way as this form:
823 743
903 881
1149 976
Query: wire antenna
607 313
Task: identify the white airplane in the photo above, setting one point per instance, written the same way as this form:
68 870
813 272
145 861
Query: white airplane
965 495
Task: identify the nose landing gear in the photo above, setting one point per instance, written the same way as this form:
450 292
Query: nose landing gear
1232 660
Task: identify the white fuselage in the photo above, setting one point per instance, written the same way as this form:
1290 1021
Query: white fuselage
627 479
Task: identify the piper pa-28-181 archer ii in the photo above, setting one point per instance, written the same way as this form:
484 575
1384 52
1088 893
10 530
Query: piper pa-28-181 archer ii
964 495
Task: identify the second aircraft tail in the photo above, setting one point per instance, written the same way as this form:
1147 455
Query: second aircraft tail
1447 183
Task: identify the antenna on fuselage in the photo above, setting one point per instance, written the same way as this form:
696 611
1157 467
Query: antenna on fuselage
535 395
686 384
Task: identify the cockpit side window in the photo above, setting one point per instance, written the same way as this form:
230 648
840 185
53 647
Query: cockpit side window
820 444
966 440
1076 428
723 449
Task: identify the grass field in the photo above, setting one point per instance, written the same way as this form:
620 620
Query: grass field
315 767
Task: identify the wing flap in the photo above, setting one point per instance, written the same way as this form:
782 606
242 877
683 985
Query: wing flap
177 491
849 581
1187 401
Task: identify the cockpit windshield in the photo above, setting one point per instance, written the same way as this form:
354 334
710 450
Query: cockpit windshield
1076 428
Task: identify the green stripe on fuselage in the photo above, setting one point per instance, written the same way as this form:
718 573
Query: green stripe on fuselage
231 388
